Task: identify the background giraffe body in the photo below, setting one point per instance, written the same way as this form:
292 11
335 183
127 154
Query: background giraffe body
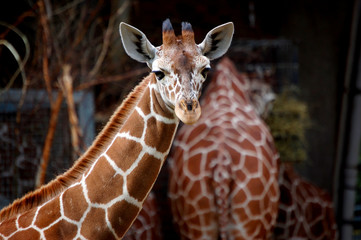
101 195
305 211
224 169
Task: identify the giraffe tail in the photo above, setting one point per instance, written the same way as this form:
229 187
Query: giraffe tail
221 185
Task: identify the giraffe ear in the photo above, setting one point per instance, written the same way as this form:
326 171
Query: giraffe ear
136 44
217 41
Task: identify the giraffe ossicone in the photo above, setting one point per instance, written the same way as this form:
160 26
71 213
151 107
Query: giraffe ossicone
101 195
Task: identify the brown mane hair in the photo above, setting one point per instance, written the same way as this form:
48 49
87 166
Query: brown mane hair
63 181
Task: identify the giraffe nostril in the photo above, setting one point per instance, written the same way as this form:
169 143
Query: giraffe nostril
189 106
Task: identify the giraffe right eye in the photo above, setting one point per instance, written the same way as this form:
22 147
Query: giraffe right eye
205 72
159 74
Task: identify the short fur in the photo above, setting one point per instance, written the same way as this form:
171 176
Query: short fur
188 34
169 37
56 186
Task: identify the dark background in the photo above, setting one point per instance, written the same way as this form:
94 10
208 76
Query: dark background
320 30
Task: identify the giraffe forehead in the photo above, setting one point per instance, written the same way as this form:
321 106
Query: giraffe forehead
182 60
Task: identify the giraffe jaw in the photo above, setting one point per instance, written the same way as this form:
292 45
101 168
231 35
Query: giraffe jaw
188 116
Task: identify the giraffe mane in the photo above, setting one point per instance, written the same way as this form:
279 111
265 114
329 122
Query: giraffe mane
56 186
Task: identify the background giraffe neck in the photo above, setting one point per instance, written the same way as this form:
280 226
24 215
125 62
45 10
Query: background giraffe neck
228 88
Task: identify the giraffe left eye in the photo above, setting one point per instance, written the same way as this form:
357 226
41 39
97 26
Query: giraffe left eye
205 72
159 74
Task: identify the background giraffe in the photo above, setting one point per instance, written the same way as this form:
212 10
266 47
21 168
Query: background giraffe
305 211
100 196
223 170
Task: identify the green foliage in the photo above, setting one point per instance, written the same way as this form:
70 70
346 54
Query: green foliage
288 121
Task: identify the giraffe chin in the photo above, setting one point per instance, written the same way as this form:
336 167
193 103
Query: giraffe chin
188 117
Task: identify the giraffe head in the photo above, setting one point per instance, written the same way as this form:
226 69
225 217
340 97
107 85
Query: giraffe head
179 65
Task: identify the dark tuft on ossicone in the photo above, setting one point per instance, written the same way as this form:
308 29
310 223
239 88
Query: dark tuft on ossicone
186 26
167 26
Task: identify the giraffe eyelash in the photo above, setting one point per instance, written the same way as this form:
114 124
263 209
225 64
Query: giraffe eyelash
159 74
205 71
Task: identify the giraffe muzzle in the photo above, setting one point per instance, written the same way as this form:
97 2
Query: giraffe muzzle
188 111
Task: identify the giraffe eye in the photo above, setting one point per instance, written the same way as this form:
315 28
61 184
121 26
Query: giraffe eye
205 72
159 74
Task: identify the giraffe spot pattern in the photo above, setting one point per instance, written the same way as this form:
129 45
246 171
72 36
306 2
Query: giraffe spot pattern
120 223
51 213
11 227
95 224
139 182
121 146
26 219
103 178
26 234
138 121
153 138
74 203
61 230
305 211
105 200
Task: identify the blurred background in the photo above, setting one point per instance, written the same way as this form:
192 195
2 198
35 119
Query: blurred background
63 71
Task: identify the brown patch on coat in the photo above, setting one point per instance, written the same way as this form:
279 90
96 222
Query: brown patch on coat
61 230
26 234
49 213
121 223
161 133
8 227
95 225
26 219
136 121
74 207
123 146
140 181
99 184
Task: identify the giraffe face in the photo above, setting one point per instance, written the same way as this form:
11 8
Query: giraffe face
262 96
180 73
179 65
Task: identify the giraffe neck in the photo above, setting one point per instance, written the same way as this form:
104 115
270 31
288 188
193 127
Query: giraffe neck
132 162
111 190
